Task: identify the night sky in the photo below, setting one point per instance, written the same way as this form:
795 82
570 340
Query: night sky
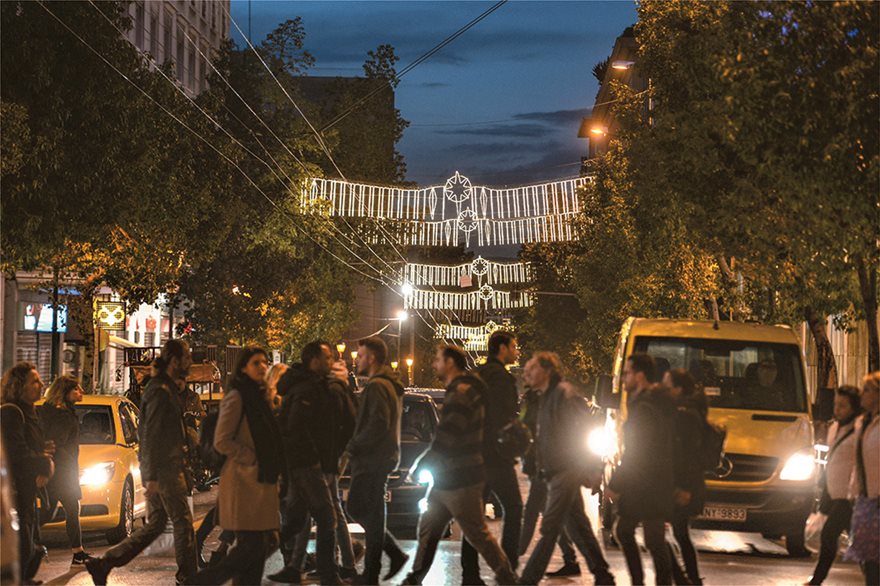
501 104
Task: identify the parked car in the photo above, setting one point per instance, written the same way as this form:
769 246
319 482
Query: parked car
406 497
110 476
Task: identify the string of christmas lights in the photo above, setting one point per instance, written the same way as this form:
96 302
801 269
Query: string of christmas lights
484 298
467 274
453 332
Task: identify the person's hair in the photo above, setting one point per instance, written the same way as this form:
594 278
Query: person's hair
58 390
454 353
852 395
685 381
14 380
643 363
498 339
313 350
377 347
173 348
550 362
244 357
872 381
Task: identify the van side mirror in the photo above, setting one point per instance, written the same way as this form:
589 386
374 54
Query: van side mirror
605 395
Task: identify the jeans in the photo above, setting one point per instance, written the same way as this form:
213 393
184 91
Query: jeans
28 535
465 505
243 564
208 524
682 534
71 520
655 541
565 508
535 503
839 515
169 502
343 538
502 482
308 494
366 505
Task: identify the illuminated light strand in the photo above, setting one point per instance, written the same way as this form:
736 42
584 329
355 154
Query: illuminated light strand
489 232
494 273
485 298
452 332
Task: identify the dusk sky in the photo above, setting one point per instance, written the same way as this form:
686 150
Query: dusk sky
501 104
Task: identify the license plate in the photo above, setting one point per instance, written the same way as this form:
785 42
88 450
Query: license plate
716 513
387 496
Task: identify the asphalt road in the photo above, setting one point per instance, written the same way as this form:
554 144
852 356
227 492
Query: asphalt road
725 558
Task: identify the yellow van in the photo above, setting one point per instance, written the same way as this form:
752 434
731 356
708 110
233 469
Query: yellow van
753 377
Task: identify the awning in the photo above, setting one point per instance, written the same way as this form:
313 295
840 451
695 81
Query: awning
122 342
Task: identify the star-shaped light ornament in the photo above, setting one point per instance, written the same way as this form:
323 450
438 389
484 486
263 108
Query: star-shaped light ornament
457 188
486 292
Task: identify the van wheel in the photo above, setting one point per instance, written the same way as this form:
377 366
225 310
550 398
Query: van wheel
126 516
794 544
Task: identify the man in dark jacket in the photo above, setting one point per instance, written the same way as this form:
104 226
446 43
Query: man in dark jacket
502 405
162 454
565 464
644 482
307 432
373 453
456 461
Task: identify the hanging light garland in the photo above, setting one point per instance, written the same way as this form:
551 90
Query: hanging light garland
453 332
484 298
467 274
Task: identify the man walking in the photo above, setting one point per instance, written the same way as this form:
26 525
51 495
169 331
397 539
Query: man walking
643 484
304 420
502 402
564 463
162 454
373 453
456 457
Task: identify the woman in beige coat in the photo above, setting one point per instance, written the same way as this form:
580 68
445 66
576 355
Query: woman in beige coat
248 435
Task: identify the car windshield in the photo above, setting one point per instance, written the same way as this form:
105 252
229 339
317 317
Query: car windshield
734 374
95 425
417 422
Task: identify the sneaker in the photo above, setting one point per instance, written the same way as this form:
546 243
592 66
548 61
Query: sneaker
397 563
604 578
287 575
566 570
80 558
98 570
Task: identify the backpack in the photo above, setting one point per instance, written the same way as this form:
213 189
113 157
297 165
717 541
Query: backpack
712 445
210 457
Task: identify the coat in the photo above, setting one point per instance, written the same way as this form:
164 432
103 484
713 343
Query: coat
563 423
243 503
62 426
502 406
25 451
689 421
375 445
531 404
645 478
162 438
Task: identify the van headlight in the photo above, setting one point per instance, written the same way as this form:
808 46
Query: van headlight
98 474
602 441
799 466
423 505
426 477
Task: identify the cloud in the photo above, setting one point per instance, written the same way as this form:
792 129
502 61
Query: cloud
567 117
519 130
432 84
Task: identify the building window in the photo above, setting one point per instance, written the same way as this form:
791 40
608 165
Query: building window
204 10
166 49
139 26
181 56
154 37
191 70
213 15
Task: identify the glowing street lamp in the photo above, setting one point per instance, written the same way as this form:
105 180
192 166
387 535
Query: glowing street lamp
407 289
394 365
409 370
340 347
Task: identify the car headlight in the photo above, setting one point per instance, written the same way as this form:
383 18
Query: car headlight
98 474
602 441
425 477
799 466
423 505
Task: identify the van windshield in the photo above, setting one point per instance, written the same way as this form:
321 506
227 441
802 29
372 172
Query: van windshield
734 374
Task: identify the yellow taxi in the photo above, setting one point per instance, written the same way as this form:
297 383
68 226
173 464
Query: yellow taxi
109 475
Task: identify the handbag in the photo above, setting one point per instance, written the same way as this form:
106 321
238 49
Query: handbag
865 529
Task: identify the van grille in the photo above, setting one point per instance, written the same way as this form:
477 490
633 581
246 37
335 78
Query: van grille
746 468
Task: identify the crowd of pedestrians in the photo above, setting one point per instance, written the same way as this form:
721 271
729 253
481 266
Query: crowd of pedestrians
283 437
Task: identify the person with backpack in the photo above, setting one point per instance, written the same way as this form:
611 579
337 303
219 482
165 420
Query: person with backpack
690 486
565 464
247 501
455 458
373 453
502 407
834 481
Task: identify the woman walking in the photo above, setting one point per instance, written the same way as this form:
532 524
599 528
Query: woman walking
29 457
59 424
835 481
865 529
247 503
690 488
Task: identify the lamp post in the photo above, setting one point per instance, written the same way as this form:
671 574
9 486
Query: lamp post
401 317
409 371
394 365
340 347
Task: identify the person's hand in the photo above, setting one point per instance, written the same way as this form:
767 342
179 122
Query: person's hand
612 496
151 487
49 447
682 497
339 371
42 481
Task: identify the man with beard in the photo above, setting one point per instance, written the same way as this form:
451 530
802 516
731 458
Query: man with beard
162 455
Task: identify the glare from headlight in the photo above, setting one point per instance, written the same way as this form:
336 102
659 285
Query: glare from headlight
799 466
98 474
426 477
602 441
423 505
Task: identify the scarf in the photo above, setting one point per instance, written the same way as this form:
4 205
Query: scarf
264 429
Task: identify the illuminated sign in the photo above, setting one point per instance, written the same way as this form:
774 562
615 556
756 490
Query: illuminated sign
110 314
37 317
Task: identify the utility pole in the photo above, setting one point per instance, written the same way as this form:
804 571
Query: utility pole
56 336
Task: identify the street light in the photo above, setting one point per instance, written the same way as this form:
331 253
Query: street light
407 289
354 356
401 317
394 365
409 371
340 347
